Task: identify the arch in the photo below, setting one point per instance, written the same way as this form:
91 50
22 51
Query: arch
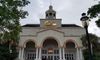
30 49
48 38
70 45
50 43
70 41
30 44
28 41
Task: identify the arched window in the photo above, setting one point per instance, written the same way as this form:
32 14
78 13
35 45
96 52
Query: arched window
50 14
46 15
70 45
54 15
30 44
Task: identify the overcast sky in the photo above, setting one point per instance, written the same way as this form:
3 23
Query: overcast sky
68 10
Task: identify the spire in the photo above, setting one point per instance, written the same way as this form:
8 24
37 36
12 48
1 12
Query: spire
50 13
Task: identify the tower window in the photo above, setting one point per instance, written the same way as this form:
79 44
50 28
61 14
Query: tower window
50 14
46 15
54 15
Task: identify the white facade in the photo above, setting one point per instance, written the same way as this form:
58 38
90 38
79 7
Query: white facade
51 40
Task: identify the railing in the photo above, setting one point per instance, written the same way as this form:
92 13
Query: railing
30 54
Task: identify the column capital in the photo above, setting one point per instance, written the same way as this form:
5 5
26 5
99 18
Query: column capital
61 46
18 47
78 47
38 46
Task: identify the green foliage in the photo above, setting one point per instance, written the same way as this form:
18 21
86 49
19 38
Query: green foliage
94 11
93 40
98 22
96 47
86 54
96 54
5 54
10 14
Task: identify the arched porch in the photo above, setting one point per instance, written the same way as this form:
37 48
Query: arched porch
70 51
30 51
50 50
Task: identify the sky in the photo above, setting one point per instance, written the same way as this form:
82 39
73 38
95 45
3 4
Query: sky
68 10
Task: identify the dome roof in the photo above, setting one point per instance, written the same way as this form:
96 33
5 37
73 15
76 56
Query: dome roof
50 9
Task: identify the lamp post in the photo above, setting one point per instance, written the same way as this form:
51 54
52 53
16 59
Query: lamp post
85 22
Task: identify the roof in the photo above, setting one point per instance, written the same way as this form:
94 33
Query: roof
38 25
70 25
31 25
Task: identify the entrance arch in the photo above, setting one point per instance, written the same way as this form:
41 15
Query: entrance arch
30 51
50 49
50 43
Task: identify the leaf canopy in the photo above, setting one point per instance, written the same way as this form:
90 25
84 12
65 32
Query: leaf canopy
94 11
10 14
93 40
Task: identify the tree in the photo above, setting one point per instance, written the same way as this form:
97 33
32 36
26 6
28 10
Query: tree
5 52
10 14
94 12
94 43
93 40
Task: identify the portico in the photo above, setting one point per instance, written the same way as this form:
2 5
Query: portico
51 50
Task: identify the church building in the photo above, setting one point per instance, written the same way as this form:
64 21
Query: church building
51 40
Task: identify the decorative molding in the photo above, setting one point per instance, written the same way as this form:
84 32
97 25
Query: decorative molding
28 35
50 29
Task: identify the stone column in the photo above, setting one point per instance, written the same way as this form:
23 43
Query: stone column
19 56
63 53
81 54
77 54
60 53
40 53
22 53
37 53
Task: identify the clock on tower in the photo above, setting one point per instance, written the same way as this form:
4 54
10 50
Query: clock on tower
50 23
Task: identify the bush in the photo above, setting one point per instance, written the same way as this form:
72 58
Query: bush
5 53
96 54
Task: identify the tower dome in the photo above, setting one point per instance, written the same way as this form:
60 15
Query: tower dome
50 14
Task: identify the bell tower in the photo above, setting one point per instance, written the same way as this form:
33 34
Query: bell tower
50 14
50 21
